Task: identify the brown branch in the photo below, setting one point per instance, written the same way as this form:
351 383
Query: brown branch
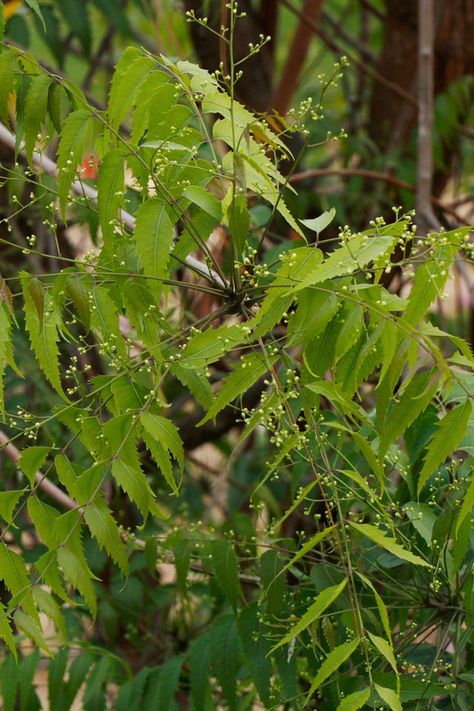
41 480
373 175
424 165
295 59
353 59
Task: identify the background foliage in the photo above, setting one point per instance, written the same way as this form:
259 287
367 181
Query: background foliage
237 467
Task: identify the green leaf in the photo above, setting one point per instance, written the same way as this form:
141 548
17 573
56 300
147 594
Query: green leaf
323 600
76 137
162 436
42 323
31 461
318 224
8 62
6 633
415 398
353 256
110 188
199 658
37 10
32 630
467 504
249 369
105 530
36 105
385 650
210 345
273 584
224 641
354 701
390 697
307 547
226 565
446 439
381 539
256 647
351 329
56 674
153 236
77 20
160 695
239 223
332 662
77 572
15 576
130 72
431 276
8 502
422 518
44 517
48 605
120 432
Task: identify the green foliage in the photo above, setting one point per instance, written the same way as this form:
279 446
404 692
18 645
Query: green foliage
345 537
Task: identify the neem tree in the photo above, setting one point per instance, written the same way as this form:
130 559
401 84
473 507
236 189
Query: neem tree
355 539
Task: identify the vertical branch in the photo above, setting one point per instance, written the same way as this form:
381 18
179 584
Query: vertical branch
424 168
286 87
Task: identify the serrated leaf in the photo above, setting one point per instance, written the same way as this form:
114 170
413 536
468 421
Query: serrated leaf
354 701
210 345
324 599
43 516
318 224
76 137
446 439
153 236
224 641
199 657
381 539
42 326
331 664
78 574
130 71
467 504
256 647
32 630
226 566
389 696
6 633
431 276
353 256
8 502
249 369
14 574
105 530
273 584
160 694
110 189
350 330
385 649
48 605
35 109
31 460
414 399
8 62
307 547
161 437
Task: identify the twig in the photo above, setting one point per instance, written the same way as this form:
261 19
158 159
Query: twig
424 165
42 481
373 175
353 59
49 167
285 89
